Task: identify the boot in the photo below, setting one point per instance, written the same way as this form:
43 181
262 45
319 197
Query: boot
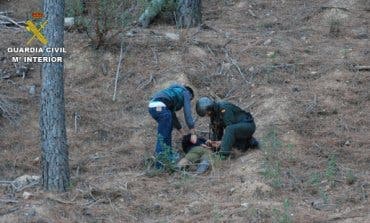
183 163
202 166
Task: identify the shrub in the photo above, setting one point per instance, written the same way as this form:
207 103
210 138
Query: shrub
283 216
331 170
9 110
350 178
272 165
102 19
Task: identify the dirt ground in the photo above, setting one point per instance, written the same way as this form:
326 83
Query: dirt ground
293 64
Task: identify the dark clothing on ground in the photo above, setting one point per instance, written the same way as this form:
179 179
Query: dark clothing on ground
232 125
194 152
186 144
198 153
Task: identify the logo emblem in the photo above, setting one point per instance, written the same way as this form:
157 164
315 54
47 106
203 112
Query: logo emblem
36 30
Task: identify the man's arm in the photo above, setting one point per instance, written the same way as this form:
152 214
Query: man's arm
187 110
188 117
216 127
212 145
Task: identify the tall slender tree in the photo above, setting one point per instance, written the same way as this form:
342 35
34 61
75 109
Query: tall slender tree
55 167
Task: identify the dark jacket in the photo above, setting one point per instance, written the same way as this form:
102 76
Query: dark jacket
176 97
225 114
187 145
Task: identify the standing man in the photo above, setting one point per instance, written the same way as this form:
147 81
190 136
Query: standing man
229 123
162 108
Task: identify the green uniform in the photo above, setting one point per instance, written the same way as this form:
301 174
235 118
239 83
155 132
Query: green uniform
197 153
232 125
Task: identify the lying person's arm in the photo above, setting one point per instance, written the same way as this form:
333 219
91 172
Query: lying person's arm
214 145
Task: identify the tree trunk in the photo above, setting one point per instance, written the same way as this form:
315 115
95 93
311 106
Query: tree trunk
189 13
152 11
55 167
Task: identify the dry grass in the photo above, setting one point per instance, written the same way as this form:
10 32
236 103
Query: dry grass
311 112
9 110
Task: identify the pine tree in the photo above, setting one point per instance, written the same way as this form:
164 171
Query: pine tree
55 167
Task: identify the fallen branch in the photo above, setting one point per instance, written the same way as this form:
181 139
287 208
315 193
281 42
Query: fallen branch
5 76
230 92
27 186
235 63
11 210
9 24
283 65
210 50
155 58
362 68
252 13
117 73
8 201
77 117
231 97
6 182
60 200
6 12
334 7
146 83
10 20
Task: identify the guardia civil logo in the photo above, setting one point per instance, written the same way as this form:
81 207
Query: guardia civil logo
35 28
31 53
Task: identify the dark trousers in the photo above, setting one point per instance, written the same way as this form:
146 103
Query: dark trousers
163 150
164 130
238 135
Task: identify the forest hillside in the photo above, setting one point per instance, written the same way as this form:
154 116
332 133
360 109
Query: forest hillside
300 67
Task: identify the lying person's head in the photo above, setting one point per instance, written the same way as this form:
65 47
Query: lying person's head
186 144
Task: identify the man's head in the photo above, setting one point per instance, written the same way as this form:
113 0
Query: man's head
204 106
190 91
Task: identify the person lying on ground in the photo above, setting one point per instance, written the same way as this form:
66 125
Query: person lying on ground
198 153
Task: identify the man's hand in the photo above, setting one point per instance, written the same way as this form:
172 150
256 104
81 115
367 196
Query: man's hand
193 138
215 144
206 146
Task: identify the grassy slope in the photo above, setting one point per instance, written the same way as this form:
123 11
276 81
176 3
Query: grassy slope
310 105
